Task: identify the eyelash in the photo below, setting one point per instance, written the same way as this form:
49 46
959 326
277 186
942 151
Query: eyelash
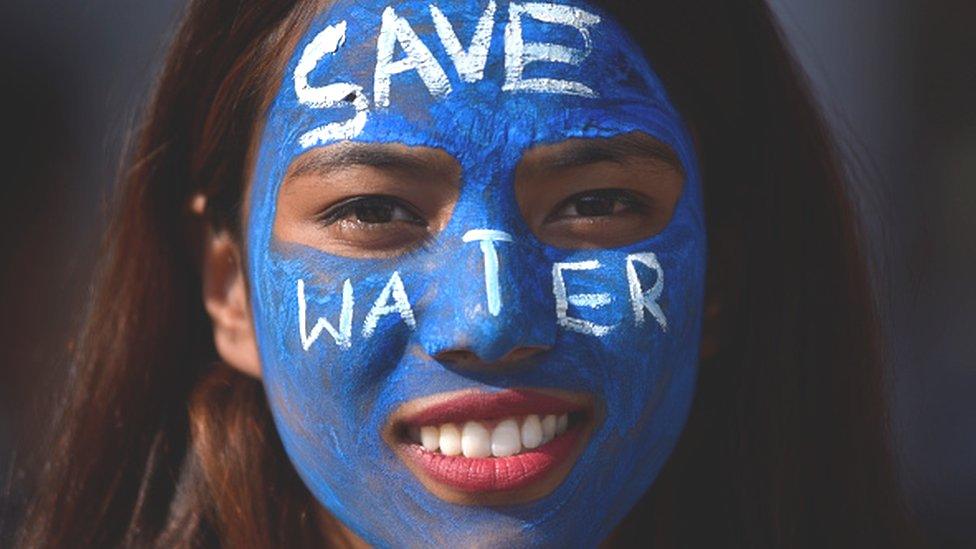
346 208
631 201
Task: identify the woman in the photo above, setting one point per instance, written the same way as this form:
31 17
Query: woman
436 244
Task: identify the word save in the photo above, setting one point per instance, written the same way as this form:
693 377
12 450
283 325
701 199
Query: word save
469 63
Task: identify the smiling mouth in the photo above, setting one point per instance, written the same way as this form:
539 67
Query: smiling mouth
505 447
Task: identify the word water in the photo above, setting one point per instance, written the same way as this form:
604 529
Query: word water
469 63
393 299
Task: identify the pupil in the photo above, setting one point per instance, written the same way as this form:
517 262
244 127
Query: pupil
374 212
595 205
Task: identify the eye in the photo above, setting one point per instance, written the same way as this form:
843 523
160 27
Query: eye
372 210
371 225
598 203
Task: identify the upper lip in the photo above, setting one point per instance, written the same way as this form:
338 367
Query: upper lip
479 405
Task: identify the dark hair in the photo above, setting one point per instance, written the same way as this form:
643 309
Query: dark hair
159 444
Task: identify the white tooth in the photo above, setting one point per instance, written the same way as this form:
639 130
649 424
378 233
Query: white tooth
430 438
562 424
532 432
450 440
548 428
475 440
505 439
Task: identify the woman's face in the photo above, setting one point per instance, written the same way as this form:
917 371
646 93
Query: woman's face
476 251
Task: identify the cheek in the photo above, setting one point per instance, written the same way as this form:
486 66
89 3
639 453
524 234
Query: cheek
323 378
645 367
325 331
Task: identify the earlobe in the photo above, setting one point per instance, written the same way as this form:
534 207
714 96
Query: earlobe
226 300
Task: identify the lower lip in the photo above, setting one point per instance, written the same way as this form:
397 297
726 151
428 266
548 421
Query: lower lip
495 474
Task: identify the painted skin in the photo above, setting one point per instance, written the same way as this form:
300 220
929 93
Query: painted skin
613 330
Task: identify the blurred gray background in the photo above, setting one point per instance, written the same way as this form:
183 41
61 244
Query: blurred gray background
897 81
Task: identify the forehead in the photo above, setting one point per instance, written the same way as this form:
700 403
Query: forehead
477 75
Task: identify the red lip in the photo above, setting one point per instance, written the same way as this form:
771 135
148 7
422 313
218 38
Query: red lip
491 406
523 473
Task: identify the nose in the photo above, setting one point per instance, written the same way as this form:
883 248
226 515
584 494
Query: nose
490 307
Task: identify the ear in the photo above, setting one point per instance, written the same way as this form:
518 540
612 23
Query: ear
226 300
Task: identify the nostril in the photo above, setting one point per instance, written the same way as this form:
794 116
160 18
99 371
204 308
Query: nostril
457 357
466 358
522 353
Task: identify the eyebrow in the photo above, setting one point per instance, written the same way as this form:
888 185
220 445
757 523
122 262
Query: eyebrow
388 157
582 152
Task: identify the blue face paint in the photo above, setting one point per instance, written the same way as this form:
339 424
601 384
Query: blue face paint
344 341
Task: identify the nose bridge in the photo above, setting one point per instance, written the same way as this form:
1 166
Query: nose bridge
490 300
